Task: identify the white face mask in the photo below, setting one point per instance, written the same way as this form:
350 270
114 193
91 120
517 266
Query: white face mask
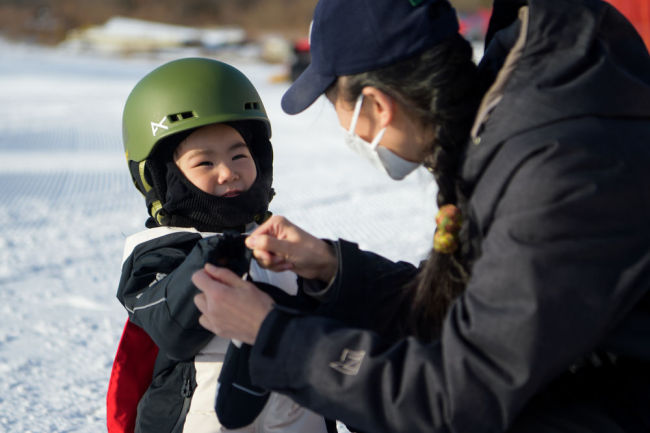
382 158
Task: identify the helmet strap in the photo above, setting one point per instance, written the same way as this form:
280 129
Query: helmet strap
143 177
154 204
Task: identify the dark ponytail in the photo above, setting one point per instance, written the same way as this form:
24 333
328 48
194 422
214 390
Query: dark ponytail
439 87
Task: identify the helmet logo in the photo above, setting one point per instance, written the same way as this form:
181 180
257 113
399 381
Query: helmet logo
155 126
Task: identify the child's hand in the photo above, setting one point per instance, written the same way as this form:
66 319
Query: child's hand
279 245
231 307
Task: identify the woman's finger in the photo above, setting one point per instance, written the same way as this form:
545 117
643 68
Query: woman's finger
200 280
201 302
230 306
223 275
263 258
268 260
207 324
270 244
203 281
273 226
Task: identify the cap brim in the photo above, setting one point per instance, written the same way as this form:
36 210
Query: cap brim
305 90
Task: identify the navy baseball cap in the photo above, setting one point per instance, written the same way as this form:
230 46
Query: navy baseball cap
352 36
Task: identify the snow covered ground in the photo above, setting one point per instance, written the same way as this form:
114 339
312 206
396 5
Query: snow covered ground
67 203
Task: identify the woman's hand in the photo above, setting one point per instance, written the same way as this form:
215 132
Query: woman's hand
279 245
231 307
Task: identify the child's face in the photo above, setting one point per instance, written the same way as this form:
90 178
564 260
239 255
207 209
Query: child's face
216 159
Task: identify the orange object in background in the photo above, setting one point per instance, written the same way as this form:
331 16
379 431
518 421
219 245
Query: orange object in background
638 12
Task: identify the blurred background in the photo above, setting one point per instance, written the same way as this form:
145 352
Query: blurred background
50 21
273 30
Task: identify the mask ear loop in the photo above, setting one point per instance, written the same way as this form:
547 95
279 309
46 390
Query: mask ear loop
377 139
355 115
355 119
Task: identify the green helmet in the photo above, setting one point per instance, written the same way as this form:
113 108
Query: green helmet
180 96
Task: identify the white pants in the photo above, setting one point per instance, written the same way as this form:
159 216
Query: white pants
280 414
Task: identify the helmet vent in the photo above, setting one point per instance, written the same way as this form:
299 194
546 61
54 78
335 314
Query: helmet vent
251 106
181 116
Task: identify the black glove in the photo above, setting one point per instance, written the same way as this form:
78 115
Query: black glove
232 253
239 402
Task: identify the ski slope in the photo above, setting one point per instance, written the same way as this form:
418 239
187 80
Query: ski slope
67 204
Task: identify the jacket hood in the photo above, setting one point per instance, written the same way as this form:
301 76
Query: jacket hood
571 58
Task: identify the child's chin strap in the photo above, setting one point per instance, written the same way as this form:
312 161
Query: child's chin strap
153 202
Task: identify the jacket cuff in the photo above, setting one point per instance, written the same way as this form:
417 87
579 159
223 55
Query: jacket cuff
325 293
319 290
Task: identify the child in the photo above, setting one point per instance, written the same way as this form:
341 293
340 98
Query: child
197 144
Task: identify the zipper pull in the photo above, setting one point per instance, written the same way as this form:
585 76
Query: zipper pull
186 391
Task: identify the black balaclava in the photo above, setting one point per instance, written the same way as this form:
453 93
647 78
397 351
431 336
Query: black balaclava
185 205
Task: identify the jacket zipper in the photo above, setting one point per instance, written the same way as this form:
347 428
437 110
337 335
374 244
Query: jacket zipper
186 392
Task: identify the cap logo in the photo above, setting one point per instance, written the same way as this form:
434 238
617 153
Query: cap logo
416 2
155 126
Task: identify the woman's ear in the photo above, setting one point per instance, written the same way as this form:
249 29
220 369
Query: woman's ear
381 104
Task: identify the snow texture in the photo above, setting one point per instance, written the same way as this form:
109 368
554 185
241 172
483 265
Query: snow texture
67 204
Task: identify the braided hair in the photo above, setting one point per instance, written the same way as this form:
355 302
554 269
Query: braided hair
437 87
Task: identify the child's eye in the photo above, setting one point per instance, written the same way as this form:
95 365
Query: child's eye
204 163
239 156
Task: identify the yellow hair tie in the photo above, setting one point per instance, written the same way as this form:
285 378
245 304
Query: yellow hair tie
448 223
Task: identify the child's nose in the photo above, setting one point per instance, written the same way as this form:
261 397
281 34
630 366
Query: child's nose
226 174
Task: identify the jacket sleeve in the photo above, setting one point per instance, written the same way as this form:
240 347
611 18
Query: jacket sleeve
157 291
369 291
563 261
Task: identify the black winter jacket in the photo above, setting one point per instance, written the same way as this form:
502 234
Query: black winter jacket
157 292
553 330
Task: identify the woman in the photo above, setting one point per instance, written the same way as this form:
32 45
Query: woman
535 315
